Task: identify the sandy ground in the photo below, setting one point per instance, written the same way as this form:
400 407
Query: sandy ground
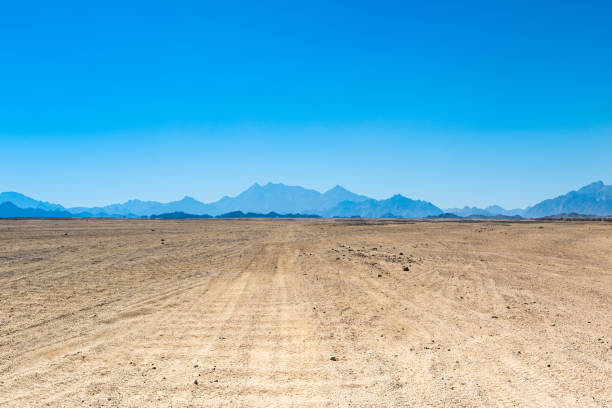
249 313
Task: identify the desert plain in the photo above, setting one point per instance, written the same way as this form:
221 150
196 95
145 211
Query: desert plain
305 313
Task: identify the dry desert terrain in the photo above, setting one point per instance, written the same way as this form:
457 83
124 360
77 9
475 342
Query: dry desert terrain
308 313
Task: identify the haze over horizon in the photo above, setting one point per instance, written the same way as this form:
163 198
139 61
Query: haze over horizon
458 104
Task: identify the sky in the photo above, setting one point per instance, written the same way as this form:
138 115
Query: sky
457 103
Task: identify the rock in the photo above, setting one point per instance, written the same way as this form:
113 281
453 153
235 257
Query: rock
406 269
195 382
332 358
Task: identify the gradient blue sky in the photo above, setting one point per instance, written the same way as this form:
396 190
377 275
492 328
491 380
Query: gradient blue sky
457 103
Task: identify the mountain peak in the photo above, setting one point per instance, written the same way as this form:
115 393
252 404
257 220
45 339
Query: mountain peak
336 188
23 201
593 187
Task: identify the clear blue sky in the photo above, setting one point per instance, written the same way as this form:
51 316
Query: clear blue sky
455 102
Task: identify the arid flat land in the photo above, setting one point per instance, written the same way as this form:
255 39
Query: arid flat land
141 313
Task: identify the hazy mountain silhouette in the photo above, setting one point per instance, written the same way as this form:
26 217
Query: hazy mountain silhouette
283 199
22 201
256 199
491 211
141 208
467 211
595 198
178 215
10 210
398 206
240 214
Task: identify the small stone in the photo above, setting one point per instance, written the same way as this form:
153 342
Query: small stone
195 382
332 358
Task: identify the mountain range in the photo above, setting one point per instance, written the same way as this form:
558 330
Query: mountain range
595 198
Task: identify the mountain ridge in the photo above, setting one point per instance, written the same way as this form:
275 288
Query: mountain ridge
594 198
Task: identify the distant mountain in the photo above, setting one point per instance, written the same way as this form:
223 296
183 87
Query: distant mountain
145 208
283 199
494 217
467 211
22 201
240 214
178 215
10 210
256 199
445 216
396 206
595 198
491 211
497 210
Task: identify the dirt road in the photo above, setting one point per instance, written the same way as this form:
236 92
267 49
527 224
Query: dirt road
305 313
